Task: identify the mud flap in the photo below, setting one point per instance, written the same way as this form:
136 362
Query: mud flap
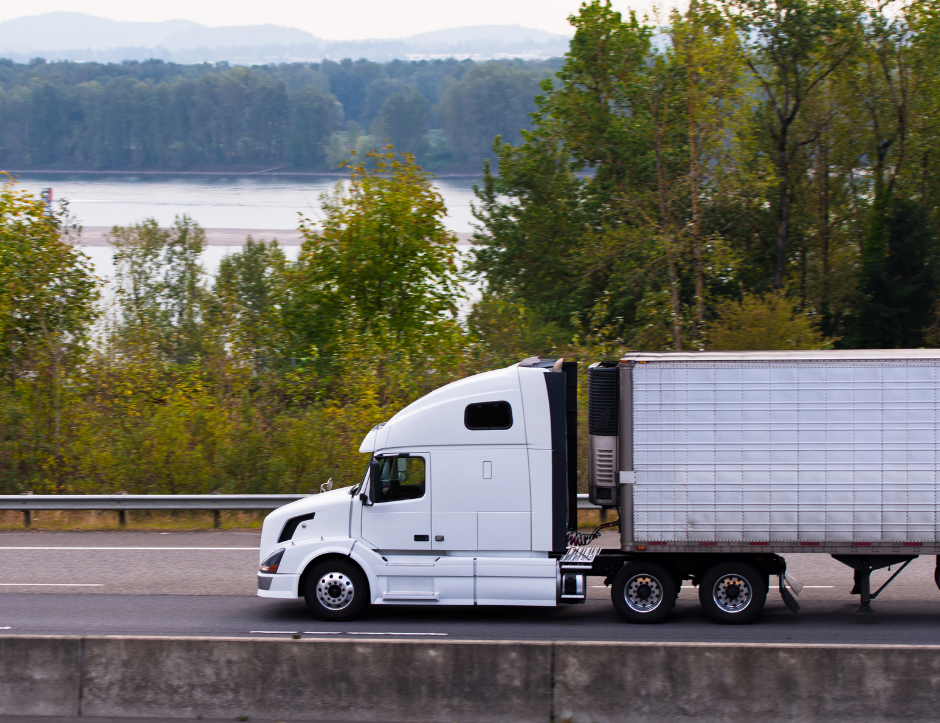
788 599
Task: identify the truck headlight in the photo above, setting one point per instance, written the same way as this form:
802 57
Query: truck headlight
272 561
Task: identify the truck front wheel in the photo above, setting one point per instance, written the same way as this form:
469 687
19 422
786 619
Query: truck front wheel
644 592
732 593
336 590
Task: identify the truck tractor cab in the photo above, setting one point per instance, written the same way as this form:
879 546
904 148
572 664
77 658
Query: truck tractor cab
466 500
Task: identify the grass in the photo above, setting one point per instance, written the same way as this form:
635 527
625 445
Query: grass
589 519
94 520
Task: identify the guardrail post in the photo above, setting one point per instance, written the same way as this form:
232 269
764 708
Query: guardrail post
122 514
27 514
216 514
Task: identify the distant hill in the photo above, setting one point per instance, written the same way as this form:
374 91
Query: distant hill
237 36
485 33
77 36
63 31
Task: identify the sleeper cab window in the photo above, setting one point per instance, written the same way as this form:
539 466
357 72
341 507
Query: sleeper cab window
488 415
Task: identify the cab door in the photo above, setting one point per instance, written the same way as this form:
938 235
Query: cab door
400 518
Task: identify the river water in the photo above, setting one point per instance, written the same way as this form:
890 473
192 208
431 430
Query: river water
247 202
215 201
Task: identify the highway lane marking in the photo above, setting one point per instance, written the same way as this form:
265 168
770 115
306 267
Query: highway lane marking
6 628
363 633
242 549
52 584
329 632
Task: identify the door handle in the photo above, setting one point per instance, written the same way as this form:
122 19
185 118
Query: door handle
422 538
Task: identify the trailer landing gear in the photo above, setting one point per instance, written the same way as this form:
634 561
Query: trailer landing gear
863 566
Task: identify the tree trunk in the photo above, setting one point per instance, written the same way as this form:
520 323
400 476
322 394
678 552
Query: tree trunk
825 228
668 242
697 265
783 212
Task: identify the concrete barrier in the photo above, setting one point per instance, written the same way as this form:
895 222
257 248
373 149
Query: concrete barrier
308 680
40 675
659 682
464 681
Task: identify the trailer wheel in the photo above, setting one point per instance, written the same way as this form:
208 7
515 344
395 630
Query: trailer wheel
336 590
936 573
644 592
733 593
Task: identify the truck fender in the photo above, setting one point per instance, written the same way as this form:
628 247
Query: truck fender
340 548
367 559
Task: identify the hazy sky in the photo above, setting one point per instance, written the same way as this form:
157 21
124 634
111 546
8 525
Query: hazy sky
333 19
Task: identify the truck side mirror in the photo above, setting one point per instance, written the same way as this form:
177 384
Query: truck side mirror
375 481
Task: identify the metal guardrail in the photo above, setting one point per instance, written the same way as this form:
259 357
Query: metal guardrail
29 503
145 502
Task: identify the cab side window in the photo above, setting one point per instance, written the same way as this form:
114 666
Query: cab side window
488 415
401 478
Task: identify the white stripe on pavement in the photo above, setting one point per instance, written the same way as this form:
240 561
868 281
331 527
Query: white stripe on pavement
52 584
243 549
364 633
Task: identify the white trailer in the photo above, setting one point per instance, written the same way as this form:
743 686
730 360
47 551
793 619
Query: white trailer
718 463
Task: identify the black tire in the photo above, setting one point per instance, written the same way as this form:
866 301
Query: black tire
733 593
644 592
336 590
936 573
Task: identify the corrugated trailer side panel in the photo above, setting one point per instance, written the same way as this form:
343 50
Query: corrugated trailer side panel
786 451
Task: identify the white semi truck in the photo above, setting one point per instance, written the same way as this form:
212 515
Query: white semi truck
719 463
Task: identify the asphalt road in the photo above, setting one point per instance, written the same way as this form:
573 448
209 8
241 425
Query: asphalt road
203 584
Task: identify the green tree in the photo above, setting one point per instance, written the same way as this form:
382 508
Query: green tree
403 119
897 275
792 46
618 110
249 291
492 99
160 285
381 263
528 250
314 115
706 48
48 298
48 292
899 286
757 322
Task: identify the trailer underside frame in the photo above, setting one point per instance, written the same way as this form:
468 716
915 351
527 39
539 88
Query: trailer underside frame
692 564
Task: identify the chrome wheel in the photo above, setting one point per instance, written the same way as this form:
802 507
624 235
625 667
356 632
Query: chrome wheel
335 591
732 593
643 593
